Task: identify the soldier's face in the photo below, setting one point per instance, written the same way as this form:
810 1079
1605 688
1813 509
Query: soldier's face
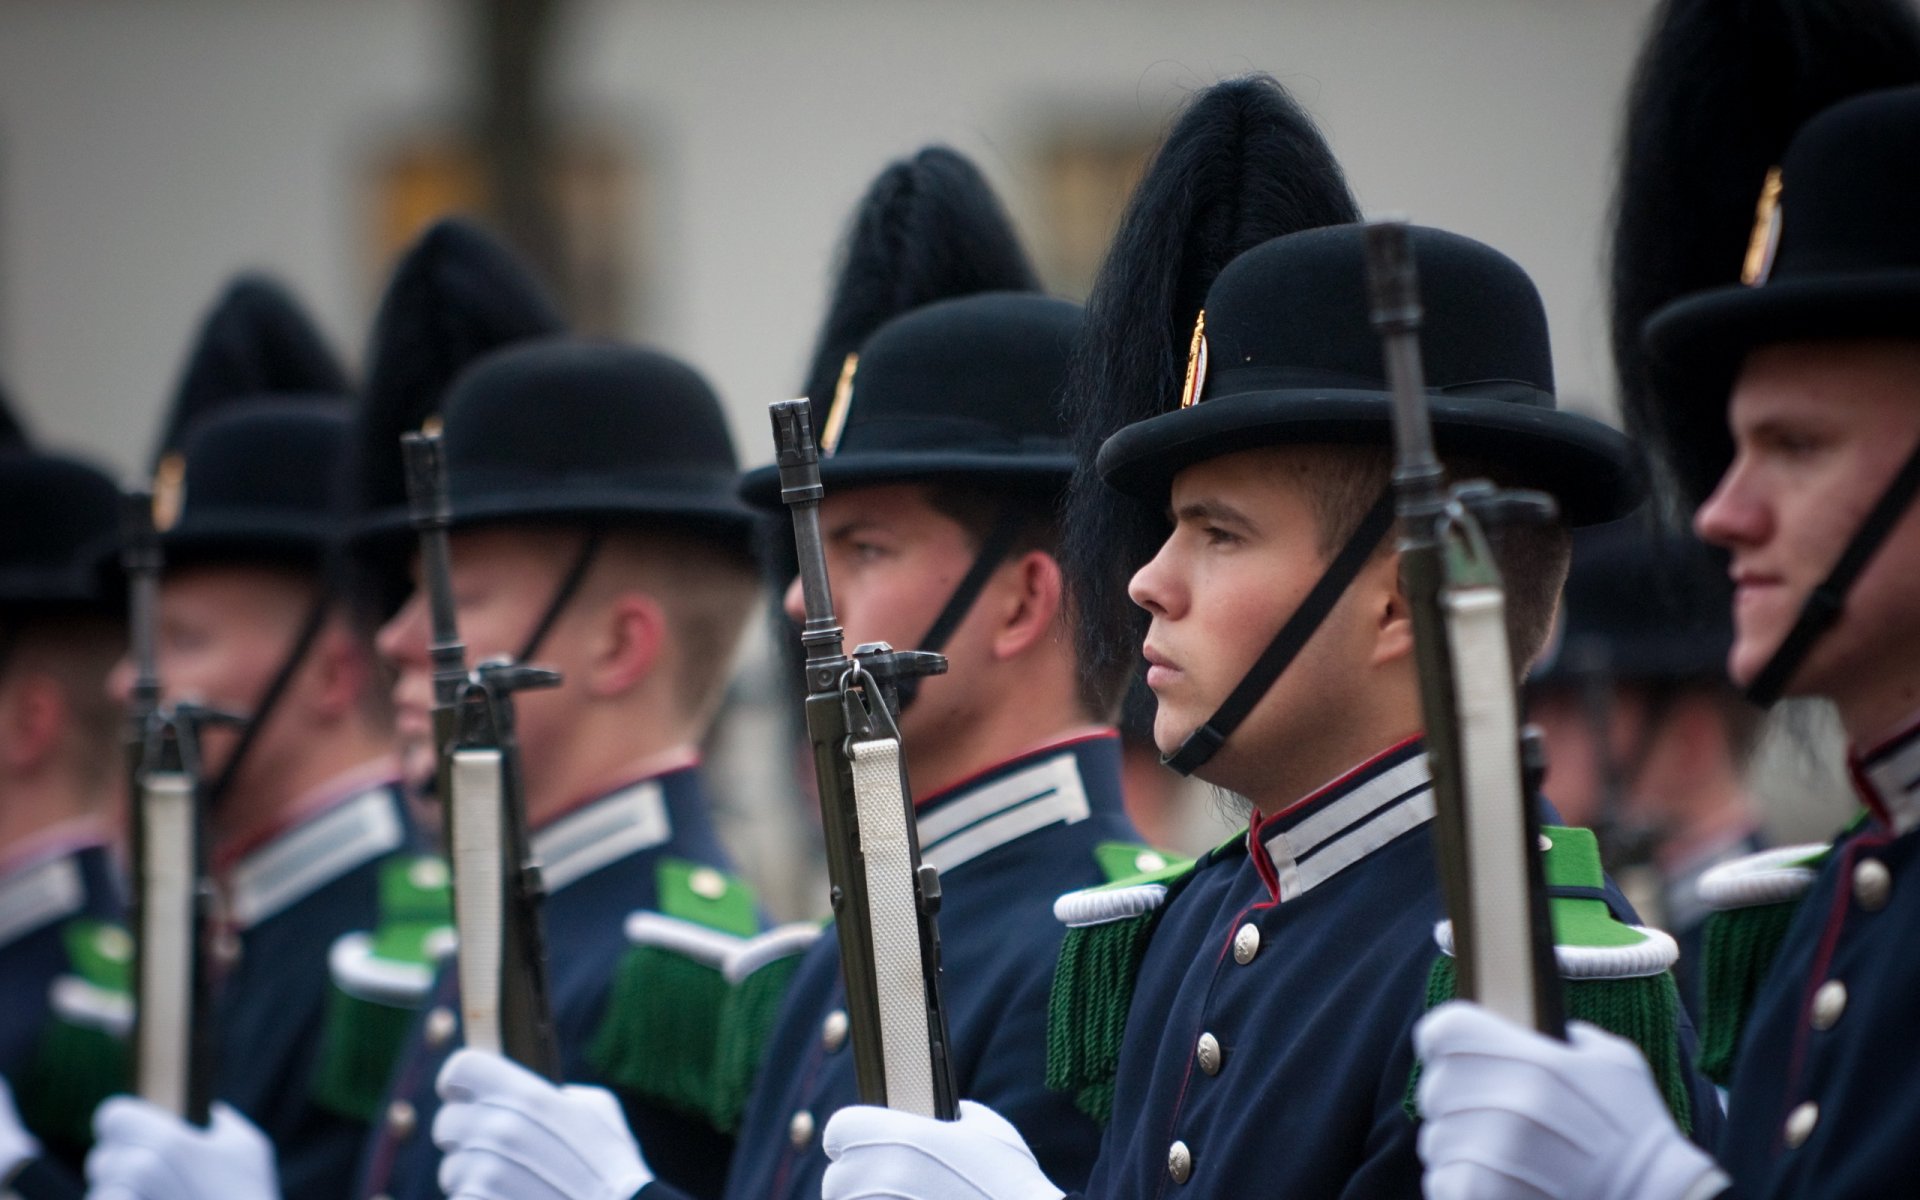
1819 429
893 560
1244 552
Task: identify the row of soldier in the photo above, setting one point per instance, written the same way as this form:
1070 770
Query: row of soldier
1046 495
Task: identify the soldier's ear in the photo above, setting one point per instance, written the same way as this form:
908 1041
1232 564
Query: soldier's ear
1388 609
1029 610
628 649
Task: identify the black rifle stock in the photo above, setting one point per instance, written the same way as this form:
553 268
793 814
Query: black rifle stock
1485 844
173 907
498 894
883 895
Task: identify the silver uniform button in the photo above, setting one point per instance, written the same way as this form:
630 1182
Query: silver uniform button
1209 1054
1148 860
707 883
1179 1162
1872 884
1246 944
1800 1123
440 1025
1829 1001
833 1030
800 1129
401 1119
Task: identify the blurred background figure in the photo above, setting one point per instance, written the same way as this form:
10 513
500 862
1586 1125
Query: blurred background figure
1647 742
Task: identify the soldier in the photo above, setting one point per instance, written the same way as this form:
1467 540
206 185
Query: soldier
1814 363
63 952
304 814
945 460
1269 991
1647 741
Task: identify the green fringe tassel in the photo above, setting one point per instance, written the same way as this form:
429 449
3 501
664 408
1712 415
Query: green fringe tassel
1738 950
747 1017
663 1019
1087 1011
1644 1010
74 1068
360 1045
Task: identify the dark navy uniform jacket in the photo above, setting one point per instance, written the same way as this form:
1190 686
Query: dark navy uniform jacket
1006 843
288 900
1825 1096
599 862
1268 1048
37 901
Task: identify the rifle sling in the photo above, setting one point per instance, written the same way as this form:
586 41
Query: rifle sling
1824 604
1205 741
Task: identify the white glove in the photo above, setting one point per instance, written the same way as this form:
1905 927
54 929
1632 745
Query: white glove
1511 1113
881 1152
143 1152
510 1135
17 1146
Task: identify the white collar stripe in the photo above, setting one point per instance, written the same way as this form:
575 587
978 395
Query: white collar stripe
1368 797
1300 876
1054 808
40 895
1895 776
971 807
602 833
313 854
1377 811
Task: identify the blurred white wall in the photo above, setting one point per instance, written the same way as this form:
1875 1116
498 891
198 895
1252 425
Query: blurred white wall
150 147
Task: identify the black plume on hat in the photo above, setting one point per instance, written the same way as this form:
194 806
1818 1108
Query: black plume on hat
13 433
1720 89
455 296
256 341
1243 164
929 228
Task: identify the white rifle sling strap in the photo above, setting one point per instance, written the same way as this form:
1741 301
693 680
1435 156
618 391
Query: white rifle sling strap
1495 820
166 933
479 903
886 843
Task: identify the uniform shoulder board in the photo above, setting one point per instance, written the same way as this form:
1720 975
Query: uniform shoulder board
1108 929
83 1055
658 1038
381 979
1753 900
1615 975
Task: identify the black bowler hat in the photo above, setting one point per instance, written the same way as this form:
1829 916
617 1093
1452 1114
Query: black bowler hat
250 455
1288 356
1719 90
1835 253
584 433
62 516
967 388
1641 604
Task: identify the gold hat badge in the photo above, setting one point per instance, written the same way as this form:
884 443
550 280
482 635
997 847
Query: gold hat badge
1196 363
1766 233
169 490
837 411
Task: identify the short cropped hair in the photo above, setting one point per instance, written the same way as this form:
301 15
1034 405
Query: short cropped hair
1342 483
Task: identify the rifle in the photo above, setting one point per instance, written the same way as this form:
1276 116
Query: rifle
497 889
1486 828
885 900
172 894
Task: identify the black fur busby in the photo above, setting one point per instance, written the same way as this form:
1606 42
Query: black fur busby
1720 88
1242 164
929 228
255 341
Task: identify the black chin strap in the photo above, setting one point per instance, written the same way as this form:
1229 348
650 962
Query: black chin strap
270 699
1205 741
993 551
1825 602
563 594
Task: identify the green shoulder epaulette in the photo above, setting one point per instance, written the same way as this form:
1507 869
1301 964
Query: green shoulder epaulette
662 1026
1614 975
757 975
83 1055
1108 929
381 980
1753 901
